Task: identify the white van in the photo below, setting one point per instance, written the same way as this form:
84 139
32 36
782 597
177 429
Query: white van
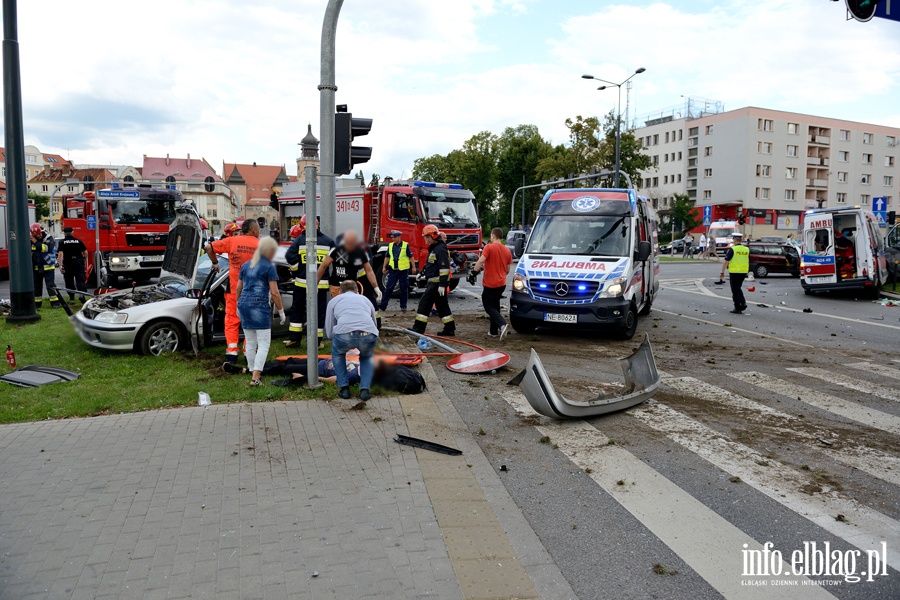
842 249
591 261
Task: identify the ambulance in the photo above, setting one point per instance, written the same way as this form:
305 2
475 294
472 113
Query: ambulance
591 262
842 249
719 236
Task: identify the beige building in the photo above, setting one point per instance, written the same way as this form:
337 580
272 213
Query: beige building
57 183
254 185
35 161
770 164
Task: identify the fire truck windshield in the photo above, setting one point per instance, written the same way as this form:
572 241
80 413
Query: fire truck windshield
144 212
450 211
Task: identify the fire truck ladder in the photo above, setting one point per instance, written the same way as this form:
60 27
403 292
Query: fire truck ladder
373 219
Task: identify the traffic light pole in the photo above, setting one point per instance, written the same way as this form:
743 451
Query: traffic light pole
327 88
312 286
21 282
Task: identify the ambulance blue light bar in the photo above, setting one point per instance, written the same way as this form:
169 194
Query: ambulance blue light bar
452 186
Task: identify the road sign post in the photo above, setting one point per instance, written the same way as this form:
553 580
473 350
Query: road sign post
879 209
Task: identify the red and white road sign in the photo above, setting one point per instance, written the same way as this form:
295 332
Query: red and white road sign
481 361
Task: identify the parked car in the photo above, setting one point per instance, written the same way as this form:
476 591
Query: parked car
773 258
678 247
512 237
162 318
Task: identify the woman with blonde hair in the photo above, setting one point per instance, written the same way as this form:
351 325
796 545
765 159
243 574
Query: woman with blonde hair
258 281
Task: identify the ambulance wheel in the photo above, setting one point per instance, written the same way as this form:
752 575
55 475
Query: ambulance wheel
761 271
629 328
162 337
522 326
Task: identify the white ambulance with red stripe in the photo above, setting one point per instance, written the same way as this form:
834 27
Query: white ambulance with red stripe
591 262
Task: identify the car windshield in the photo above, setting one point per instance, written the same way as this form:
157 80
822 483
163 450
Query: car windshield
450 211
592 236
203 269
145 212
721 232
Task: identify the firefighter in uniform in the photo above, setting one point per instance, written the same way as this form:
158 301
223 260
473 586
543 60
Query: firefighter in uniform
737 261
437 276
397 266
349 261
72 256
240 249
43 258
296 259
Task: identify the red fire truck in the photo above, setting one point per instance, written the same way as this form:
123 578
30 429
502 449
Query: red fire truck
125 230
405 206
4 242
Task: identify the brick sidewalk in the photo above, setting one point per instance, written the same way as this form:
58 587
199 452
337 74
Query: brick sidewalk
234 501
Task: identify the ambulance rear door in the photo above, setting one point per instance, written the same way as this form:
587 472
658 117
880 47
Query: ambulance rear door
817 265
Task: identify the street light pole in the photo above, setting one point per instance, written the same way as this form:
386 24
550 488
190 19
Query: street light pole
327 88
21 282
618 166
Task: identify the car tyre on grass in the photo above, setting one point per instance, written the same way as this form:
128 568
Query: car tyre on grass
161 337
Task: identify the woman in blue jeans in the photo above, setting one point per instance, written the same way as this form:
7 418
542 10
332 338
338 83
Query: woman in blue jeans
350 323
258 281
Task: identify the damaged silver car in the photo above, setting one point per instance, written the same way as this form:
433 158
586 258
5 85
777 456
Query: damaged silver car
185 308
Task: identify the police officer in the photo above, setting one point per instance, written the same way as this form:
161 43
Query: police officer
72 257
737 261
436 272
398 265
296 259
43 259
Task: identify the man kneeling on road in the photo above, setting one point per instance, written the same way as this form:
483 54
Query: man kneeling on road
350 323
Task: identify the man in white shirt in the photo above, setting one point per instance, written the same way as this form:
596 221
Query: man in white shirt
350 323
703 253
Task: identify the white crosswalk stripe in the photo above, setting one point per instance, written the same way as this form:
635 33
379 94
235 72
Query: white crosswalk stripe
877 369
873 389
844 408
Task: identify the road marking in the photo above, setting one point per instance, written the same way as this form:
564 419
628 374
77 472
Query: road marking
844 408
691 286
868 460
756 333
708 543
460 288
873 389
864 528
877 369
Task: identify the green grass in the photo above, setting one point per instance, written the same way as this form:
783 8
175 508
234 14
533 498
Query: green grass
114 382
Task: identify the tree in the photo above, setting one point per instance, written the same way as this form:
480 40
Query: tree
682 213
41 205
580 156
521 149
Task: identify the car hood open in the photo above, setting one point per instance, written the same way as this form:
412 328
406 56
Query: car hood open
184 244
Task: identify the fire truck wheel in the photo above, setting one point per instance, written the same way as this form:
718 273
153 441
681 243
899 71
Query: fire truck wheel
162 337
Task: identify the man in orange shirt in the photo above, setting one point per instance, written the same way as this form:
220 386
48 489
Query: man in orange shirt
240 249
495 261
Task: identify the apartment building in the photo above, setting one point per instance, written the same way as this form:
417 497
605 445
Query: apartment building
773 165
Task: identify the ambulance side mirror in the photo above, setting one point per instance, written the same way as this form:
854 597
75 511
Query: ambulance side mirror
520 247
643 252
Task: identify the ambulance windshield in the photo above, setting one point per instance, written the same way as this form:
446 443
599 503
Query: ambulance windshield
721 232
578 235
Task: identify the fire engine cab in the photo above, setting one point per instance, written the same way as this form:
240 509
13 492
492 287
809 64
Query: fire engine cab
405 206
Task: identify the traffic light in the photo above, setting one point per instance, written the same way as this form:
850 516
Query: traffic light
892 217
862 10
273 200
347 129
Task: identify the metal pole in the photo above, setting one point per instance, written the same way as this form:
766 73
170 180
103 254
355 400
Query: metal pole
21 282
312 288
523 202
327 88
512 210
618 139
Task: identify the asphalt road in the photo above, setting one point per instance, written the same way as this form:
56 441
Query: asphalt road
729 451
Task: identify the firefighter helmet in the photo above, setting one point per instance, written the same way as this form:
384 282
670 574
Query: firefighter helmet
36 229
431 231
296 230
303 222
230 229
203 223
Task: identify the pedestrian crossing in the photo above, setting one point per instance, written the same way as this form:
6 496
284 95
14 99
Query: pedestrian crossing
690 526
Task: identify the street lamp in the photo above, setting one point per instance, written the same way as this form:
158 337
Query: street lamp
618 117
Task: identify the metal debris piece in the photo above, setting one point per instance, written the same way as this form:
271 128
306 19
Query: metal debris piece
826 442
36 376
641 381
426 445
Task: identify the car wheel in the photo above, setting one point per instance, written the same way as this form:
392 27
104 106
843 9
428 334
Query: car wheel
629 328
521 325
162 337
761 271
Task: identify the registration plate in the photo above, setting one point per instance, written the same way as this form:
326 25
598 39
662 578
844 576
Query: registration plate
825 279
560 318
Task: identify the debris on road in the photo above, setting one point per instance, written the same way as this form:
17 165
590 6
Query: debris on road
807 310
426 445
203 399
826 442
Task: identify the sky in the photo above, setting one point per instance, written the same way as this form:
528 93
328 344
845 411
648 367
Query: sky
232 80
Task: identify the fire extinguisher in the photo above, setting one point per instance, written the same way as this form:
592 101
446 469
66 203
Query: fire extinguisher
10 358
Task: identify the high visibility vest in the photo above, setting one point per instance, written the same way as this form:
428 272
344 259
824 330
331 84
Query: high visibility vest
402 263
740 262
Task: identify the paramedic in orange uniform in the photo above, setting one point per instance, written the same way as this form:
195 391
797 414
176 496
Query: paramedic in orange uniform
239 248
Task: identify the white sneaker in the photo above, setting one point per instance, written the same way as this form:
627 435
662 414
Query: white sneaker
503 331
493 335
